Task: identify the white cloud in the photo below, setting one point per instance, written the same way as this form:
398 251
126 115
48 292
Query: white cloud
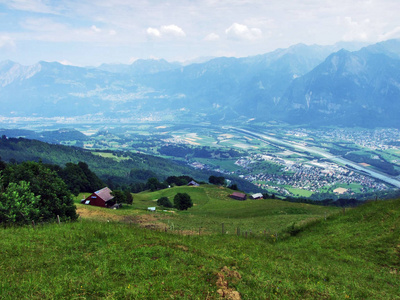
6 41
165 31
95 29
153 32
29 5
241 32
172 30
212 37
67 63
392 34
356 31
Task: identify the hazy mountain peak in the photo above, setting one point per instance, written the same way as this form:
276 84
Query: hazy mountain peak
11 71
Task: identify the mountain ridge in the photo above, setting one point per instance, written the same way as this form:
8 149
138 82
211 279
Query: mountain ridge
277 86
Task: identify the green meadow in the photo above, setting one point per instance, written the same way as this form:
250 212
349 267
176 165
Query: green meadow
215 212
311 252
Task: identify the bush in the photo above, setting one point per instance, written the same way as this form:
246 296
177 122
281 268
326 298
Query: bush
46 192
18 204
182 201
164 201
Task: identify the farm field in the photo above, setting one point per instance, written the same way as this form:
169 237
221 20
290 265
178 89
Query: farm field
290 157
212 208
350 256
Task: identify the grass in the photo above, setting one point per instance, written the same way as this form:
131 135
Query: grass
212 208
351 256
106 255
300 192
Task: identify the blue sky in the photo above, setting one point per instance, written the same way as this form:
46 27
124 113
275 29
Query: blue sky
83 32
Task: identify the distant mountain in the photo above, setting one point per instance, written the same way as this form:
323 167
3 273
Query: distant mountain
302 84
141 66
350 89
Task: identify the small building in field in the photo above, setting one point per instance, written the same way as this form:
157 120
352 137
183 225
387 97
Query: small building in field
257 196
193 183
238 196
102 198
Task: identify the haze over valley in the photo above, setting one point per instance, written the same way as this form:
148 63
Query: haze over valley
296 110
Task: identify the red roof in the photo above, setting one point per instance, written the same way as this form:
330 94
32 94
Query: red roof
105 194
237 194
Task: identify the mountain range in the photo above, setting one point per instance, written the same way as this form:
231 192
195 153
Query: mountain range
342 85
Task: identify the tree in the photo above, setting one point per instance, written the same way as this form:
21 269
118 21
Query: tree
233 187
128 197
119 196
164 201
182 201
79 178
18 204
3 165
216 180
55 198
153 184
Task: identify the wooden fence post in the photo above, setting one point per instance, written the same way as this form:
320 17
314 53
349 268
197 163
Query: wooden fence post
58 219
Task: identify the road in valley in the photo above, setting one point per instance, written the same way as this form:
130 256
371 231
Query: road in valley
337 159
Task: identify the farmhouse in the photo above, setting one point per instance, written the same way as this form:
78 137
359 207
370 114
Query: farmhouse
238 196
257 196
193 183
102 198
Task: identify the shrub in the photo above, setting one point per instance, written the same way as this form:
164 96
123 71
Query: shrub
164 201
55 198
182 201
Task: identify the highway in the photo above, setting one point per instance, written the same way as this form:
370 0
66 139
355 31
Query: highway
337 159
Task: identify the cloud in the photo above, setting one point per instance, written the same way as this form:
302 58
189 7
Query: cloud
6 41
153 32
165 31
172 30
392 34
95 29
212 37
356 31
29 5
241 32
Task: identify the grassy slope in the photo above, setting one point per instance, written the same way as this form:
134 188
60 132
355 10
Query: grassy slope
356 256
212 207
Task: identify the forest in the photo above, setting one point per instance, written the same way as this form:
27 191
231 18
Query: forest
117 169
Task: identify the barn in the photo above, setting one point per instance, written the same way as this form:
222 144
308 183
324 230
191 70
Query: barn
257 196
193 183
102 198
238 196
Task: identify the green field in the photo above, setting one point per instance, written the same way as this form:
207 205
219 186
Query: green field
212 208
350 256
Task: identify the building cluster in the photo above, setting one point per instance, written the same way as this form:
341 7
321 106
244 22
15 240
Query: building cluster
377 139
312 176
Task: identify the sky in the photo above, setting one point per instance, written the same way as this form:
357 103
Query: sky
92 32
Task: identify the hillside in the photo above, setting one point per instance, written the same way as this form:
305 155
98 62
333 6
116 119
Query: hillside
113 167
351 256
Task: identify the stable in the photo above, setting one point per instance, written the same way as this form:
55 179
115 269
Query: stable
238 196
257 196
193 183
102 198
